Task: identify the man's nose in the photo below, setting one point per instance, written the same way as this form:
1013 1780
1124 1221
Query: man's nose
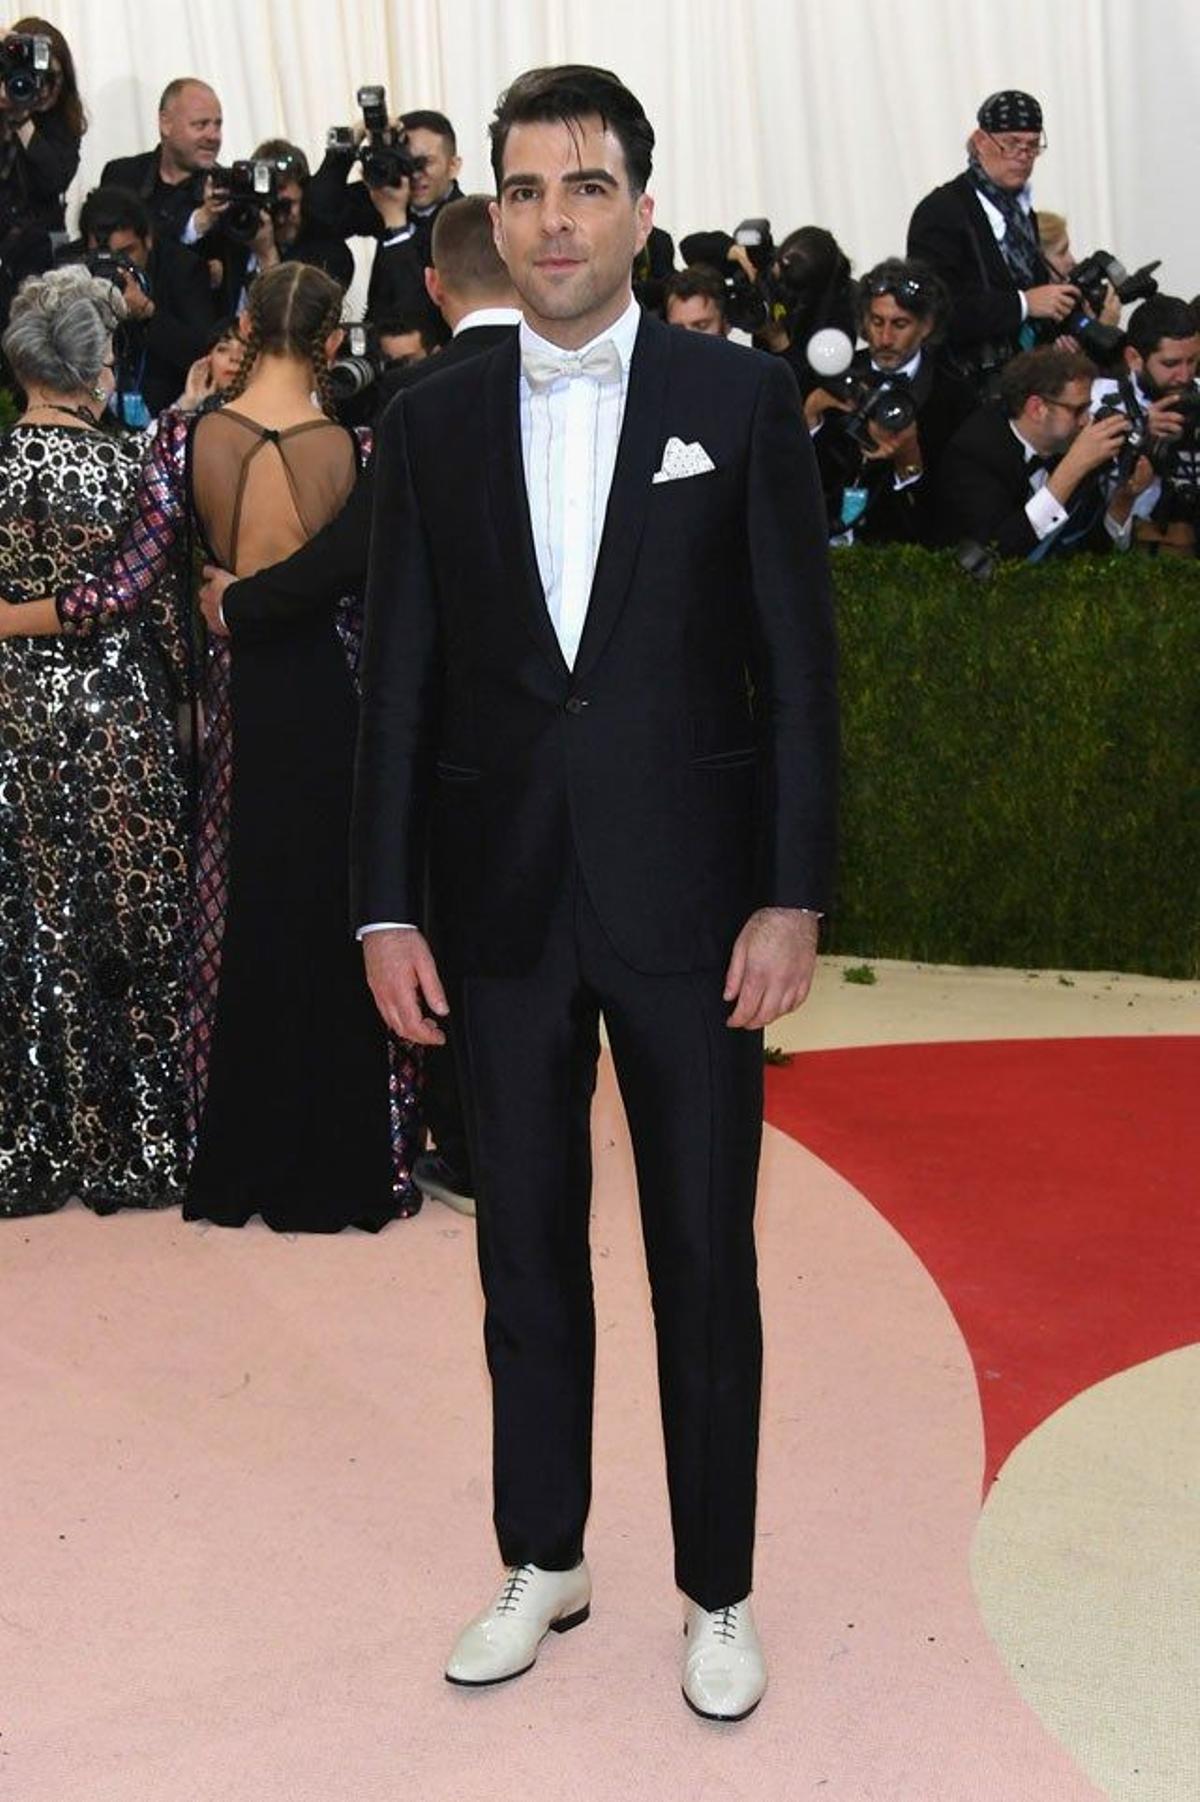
555 220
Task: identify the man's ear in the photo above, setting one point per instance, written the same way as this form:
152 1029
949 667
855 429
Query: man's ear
433 286
645 218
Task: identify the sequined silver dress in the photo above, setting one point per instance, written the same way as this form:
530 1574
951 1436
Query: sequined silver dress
93 869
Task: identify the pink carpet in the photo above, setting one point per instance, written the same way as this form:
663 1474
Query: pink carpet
245 1510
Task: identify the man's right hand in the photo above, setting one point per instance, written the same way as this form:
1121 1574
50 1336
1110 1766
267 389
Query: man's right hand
392 205
1096 444
1163 421
818 403
1053 300
404 980
208 214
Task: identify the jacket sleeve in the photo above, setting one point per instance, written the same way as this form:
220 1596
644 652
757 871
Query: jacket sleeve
795 658
940 236
51 158
400 685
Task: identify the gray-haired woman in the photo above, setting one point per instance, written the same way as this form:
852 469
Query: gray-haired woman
92 861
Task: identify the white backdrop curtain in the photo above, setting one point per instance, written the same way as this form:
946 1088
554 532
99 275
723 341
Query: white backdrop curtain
833 112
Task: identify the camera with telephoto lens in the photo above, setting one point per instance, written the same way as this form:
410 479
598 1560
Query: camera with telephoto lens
385 157
1093 277
25 74
746 305
888 403
360 362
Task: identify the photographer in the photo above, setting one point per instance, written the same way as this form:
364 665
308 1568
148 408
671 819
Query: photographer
1024 477
880 484
399 213
270 228
979 233
806 287
1158 393
174 180
167 300
694 298
42 123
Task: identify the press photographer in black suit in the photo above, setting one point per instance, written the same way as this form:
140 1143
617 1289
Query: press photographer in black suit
880 487
401 217
173 180
1023 478
169 310
979 233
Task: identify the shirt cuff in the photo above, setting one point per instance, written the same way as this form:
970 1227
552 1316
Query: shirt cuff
1121 535
189 234
1024 305
1044 513
386 926
899 482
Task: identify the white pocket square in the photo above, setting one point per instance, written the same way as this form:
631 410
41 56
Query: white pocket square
680 459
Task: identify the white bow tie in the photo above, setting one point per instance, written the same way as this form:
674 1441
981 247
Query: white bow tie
600 362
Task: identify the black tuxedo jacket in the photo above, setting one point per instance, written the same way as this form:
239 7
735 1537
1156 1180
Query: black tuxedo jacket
985 485
950 232
686 764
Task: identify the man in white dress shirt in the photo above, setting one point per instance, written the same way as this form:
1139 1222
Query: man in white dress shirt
599 734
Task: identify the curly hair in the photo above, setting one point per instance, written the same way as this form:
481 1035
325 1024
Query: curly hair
60 328
292 309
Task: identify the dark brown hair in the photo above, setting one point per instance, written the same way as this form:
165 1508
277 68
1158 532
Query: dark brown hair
1045 371
568 93
464 248
68 105
293 308
697 281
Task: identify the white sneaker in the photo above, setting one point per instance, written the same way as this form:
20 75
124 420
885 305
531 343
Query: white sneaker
503 1641
724 1671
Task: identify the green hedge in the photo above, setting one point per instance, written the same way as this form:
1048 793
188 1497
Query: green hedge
1021 762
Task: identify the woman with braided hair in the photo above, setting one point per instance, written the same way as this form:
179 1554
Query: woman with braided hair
305 1112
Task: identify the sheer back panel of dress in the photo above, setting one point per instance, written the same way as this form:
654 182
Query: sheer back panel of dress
261 494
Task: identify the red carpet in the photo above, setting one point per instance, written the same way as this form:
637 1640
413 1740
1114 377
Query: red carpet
1049 1186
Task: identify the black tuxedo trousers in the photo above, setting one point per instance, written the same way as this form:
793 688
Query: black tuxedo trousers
527 1047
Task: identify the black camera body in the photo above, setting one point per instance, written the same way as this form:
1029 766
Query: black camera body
385 157
1093 277
25 74
890 405
113 266
253 188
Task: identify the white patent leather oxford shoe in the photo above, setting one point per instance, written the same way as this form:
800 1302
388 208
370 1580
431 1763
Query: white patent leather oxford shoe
724 1671
503 1641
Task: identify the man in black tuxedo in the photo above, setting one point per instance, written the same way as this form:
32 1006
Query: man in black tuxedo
879 486
598 694
979 233
1023 478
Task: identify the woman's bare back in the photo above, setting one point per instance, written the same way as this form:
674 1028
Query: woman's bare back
263 490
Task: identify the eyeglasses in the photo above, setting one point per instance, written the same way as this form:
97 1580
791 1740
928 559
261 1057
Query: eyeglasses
1079 412
1018 150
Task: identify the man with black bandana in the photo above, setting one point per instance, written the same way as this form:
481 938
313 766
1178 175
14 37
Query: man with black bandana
979 233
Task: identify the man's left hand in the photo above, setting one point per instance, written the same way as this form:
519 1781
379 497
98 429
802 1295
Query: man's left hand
771 969
212 593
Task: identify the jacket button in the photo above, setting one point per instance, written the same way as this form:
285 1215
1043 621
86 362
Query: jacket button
576 704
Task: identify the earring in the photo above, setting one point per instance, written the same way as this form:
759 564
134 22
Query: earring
97 393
